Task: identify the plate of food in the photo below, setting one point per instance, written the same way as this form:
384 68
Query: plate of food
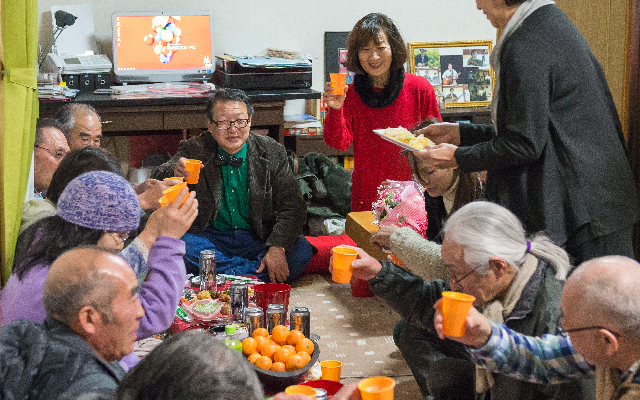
403 138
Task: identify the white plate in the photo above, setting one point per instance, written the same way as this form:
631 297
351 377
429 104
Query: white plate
380 132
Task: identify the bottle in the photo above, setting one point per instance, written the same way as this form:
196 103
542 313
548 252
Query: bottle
230 338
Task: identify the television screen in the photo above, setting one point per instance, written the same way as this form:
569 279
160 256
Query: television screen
162 46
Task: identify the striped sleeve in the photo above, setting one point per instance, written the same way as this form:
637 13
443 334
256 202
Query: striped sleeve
548 359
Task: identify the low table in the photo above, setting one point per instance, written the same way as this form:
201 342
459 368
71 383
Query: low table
359 227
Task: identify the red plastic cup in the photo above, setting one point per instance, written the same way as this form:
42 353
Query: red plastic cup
360 288
272 293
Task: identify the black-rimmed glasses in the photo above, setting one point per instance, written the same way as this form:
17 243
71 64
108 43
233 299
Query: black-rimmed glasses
58 155
457 281
239 123
587 328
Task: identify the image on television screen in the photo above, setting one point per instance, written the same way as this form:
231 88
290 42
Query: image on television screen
163 42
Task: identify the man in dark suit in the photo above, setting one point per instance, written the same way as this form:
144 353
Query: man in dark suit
421 59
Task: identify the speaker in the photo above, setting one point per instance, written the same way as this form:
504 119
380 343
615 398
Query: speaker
103 80
71 80
87 82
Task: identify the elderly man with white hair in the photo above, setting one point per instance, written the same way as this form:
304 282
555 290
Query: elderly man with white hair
515 279
601 323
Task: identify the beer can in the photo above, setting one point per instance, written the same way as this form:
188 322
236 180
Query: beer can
239 293
276 315
321 394
253 319
299 319
207 263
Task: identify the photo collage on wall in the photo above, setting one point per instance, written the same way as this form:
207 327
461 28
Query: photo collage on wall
460 74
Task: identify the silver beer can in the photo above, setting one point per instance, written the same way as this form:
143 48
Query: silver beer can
239 293
207 263
276 315
321 394
253 319
299 319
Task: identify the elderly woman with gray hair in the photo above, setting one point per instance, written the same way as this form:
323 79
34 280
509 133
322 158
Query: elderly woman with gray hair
515 279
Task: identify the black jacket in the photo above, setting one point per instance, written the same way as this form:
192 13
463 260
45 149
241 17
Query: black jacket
49 361
559 161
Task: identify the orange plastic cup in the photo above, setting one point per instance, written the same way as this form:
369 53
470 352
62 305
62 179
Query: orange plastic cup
163 201
331 370
377 388
455 308
342 259
174 178
338 82
171 193
301 389
193 168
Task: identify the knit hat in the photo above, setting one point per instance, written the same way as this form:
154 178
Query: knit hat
100 200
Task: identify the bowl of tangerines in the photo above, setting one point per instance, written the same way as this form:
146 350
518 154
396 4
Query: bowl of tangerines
282 358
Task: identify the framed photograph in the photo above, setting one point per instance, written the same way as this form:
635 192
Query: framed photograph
335 54
459 72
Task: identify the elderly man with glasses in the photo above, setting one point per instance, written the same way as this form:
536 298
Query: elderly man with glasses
49 149
601 334
515 279
251 211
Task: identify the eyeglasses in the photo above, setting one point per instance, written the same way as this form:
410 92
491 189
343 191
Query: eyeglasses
58 155
457 281
586 328
239 123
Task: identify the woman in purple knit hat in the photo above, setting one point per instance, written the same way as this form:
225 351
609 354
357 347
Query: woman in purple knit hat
101 208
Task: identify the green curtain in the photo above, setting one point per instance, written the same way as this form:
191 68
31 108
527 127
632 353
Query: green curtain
20 41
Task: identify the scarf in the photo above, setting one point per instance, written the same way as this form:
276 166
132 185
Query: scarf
386 97
499 309
527 8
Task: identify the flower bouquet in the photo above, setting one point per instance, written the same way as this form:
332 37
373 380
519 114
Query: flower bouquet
400 203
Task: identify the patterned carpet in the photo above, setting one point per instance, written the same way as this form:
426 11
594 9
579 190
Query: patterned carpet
357 331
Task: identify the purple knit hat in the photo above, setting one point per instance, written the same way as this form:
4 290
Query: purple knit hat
100 200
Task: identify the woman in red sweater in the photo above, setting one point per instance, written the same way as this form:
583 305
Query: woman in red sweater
381 96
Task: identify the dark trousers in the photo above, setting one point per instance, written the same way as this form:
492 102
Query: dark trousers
239 252
442 368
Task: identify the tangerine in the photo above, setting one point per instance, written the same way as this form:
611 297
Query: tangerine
305 345
249 346
269 349
294 362
260 332
253 357
279 334
294 337
290 347
264 362
305 356
282 354
261 342
278 367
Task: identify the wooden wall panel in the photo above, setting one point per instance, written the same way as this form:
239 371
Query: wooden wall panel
603 24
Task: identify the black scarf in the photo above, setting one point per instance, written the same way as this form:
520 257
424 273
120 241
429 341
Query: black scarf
389 93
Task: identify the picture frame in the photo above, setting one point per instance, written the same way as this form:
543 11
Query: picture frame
335 54
459 72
